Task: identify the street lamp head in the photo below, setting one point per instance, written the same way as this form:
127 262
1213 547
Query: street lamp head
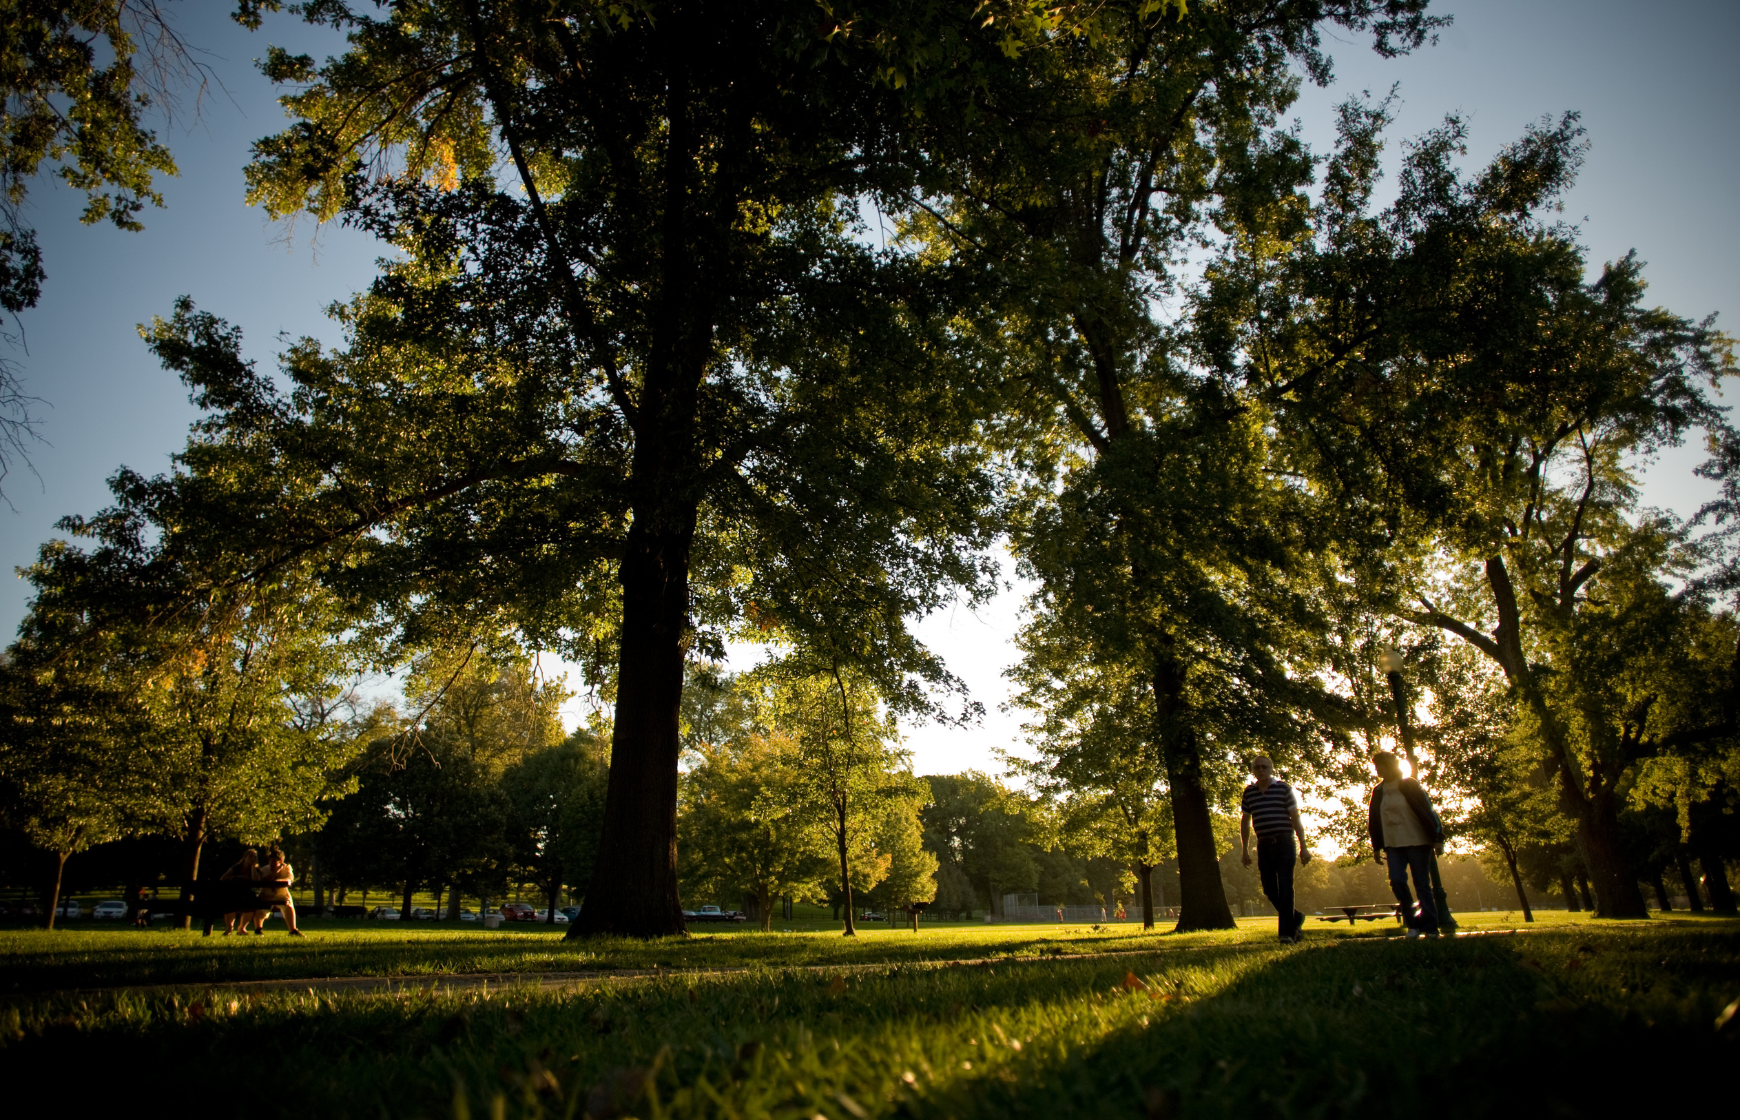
1390 660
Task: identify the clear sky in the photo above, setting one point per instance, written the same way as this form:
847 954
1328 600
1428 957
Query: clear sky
1656 83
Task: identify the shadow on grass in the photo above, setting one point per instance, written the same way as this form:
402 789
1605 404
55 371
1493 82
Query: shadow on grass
1569 1022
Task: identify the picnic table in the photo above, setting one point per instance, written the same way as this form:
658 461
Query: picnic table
1368 913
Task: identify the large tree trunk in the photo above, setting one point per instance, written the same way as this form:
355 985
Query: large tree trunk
405 909
1716 879
1145 885
633 889
1569 890
196 826
60 859
765 901
1583 891
1684 861
1202 898
553 896
1616 891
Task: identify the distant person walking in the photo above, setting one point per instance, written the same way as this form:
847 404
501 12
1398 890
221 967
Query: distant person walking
1272 808
275 879
1405 828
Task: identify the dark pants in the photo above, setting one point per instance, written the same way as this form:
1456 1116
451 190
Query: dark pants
1418 860
1275 861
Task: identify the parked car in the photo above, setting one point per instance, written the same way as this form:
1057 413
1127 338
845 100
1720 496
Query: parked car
544 916
113 908
384 913
573 912
422 914
871 916
516 912
464 915
70 909
714 914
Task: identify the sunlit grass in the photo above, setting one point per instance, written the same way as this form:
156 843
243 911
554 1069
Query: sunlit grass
1235 1026
104 955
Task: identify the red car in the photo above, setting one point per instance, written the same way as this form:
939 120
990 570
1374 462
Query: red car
517 912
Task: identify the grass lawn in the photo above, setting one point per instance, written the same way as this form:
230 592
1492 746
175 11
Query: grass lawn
105 954
1578 1017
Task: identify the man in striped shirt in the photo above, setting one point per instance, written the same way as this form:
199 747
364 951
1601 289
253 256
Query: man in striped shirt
1273 808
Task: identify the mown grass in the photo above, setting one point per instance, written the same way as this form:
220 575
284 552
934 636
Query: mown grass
1575 1018
94 955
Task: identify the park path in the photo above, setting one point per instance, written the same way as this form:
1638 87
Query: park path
461 981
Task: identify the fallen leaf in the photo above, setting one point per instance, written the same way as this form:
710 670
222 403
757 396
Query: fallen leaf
1132 982
196 1010
838 986
1727 1017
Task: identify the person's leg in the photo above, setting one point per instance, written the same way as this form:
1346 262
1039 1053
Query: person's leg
1396 859
1268 872
289 912
1419 864
1284 864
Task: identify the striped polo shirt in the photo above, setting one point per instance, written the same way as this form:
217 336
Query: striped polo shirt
1268 808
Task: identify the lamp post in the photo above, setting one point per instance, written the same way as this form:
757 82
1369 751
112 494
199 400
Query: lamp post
1390 662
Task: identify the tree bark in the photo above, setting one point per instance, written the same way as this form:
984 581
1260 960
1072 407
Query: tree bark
1689 880
554 895
1616 891
1144 882
1522 895
765 900
1569 891
634 880
1202 898
405 910
845 870
1583 891
60 859
196 823
1716 880
1662 902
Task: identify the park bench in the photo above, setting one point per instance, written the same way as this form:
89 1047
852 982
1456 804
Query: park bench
207 903
1368 913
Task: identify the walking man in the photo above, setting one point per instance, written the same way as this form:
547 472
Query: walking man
1271 805
1405 828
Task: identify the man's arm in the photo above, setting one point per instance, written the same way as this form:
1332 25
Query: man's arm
1245 838
1299 831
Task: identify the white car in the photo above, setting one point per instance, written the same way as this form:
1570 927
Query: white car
384 912
70 909
544 916
113 908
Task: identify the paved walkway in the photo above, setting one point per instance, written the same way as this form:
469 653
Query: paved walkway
459 981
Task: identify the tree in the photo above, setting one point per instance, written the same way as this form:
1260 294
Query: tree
655 378
238 718
1082 188
749 826
79 81
985 832
1445 371
850 768
63 780
555 800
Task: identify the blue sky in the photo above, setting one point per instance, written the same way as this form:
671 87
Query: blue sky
1656 83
